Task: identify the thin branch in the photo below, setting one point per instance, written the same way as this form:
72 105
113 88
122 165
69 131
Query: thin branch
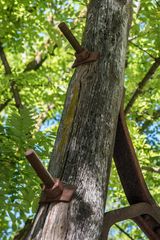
3 105
5 61
142 84
13 87
16 95
133 38
36 63
139 47
122 230
151 169
141 34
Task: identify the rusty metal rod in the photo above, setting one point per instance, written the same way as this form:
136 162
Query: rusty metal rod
70 37
41 171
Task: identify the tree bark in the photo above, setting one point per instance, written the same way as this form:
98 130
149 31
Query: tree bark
85 140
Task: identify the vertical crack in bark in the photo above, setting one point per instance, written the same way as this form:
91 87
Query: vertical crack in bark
65 238
37 225
70 134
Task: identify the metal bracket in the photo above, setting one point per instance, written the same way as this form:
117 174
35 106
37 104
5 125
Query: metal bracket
58 193
82 55
53 190
131 212
85 57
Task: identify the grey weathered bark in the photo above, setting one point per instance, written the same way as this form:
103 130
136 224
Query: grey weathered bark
84 145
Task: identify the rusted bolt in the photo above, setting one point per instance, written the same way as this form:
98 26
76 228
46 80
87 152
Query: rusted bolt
82 55
53 190
41 171
70 37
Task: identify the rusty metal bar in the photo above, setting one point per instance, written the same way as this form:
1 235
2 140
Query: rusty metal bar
82 55
53 190
128 166
132 178
70 37
130 212
41 171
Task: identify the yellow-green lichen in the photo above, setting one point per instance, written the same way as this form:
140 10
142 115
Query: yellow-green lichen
68 121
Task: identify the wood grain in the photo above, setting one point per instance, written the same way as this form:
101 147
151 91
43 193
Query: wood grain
84 145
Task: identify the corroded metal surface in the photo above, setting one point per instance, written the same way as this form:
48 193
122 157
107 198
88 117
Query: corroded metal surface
70 37
53 190
82 55
133 181
131 212
40 170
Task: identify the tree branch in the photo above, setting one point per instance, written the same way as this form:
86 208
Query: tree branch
3 105
136 45
33 65
4 61
151 169
122 230
141 84
36 63
13 87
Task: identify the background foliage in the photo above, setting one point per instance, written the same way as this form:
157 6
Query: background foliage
33 85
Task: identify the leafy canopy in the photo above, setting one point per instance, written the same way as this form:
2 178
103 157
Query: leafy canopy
40 60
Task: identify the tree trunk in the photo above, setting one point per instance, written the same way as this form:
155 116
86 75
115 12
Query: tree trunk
84 145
